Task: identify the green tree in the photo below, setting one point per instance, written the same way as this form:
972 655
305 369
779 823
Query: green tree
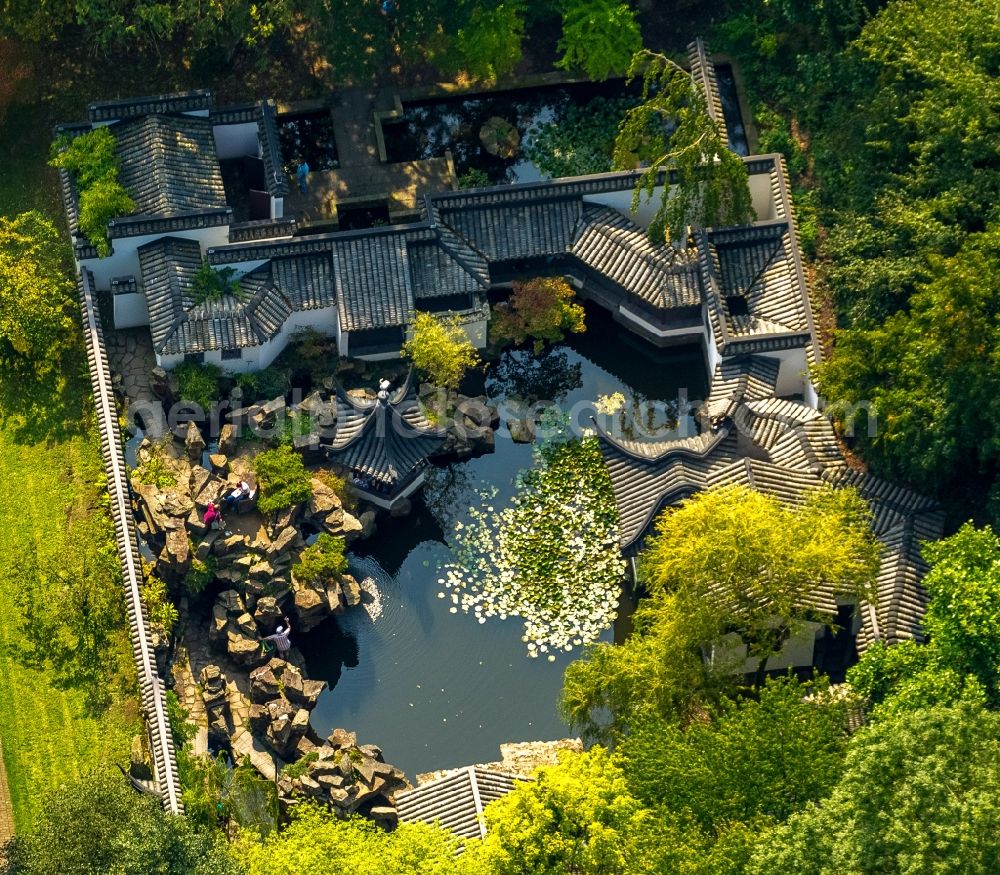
440 348
671 131
99 824
599 36
936 411
282 479
315 841
92 158
749 760
489 45
541 309
577 817
918 794
727 561
759 562
37 306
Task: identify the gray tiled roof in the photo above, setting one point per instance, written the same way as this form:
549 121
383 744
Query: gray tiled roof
169 165
383 440
373 282
136 107
456 800
508 231
785 449
436 273
307 281
179 325
609 243
267 132
703 74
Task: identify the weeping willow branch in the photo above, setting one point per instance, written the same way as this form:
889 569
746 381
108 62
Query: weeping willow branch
672 133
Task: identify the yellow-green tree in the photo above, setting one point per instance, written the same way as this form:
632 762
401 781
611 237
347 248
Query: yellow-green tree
726 560
440 349
542 309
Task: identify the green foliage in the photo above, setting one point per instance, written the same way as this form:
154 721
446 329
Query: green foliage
263 385
440 349
541 309
213 284
474 178
300 766
159 608
37 299
155 471
671 129
580 140
92 159
578 817
315 837
215 792
74 625
200 574
599 36
727 561
99 824
757 560
282 478
198 383
750 760
489 45
322 561
921 372
917 795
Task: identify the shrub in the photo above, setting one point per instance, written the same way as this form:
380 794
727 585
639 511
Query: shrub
160 609
322 561
282 478
93 161
211 284
263 385
200 575
198 383
541 309
440 349
474 178
154 472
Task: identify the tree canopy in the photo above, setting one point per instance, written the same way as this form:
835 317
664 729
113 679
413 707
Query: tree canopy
440 348
670 131
918 794
100 824
599 36
726 560
542 309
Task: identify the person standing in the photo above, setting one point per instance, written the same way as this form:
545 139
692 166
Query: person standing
281 637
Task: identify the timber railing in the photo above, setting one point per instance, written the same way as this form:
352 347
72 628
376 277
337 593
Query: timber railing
151 687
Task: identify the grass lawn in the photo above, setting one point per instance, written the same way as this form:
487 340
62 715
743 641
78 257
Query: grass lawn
47 735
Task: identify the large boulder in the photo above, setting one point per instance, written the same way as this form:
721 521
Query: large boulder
194 443
175 558
227 439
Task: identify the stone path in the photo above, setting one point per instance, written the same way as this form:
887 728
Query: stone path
131 358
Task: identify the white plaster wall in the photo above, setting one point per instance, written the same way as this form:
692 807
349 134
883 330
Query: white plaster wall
277 207
711 350
762 196
124 260
236 141
130 310
791 373
694 332
622 201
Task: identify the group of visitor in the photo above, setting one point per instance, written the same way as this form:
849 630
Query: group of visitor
213 513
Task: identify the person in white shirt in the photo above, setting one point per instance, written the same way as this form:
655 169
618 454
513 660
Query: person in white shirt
281 638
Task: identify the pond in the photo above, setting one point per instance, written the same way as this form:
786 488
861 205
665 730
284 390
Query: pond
430 127
308 137
436 689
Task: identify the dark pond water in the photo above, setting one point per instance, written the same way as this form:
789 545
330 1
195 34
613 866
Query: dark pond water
430 127
437 689
308 137
731 109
